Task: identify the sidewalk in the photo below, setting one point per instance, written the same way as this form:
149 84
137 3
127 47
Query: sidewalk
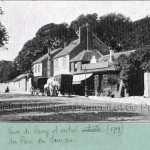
131 100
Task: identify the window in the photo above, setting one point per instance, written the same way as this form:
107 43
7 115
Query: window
56 63
64 61
39 68
36 69
75 66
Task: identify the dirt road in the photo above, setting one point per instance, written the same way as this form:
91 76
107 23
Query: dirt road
26 108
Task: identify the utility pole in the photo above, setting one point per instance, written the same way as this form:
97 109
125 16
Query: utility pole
86 95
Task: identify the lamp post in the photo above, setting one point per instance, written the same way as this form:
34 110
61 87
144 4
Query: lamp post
85 85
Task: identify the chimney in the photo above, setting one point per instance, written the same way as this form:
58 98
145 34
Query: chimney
82 34
111 55
93 60
89 37
65 44
49 63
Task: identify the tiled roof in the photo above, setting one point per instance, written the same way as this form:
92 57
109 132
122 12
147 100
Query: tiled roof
103 64
46 55
68 49
105 58
86 55
102 69
74 44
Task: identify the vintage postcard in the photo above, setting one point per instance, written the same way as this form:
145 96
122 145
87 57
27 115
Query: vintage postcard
74 75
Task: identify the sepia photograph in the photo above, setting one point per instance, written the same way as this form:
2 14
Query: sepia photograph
74 61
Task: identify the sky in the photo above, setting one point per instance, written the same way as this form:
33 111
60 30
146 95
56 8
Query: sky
22 19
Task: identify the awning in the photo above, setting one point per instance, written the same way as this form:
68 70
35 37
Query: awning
78 78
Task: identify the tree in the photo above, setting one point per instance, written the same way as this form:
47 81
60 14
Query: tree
112 28
139 35
3 33
54 35
122 64
50 35
132 69
143 57
112 81
5 71
82 20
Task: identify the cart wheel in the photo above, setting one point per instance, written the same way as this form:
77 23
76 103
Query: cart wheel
43 93
32 91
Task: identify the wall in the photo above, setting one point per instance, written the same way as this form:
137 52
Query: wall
61 65
22 86
3 87
147 84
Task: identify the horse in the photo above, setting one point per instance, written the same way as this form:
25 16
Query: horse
52 87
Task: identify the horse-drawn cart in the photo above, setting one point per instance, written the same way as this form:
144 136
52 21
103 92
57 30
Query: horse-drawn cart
60 84
65 81
52 86
37 85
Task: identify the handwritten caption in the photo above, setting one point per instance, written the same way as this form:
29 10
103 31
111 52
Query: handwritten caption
65 135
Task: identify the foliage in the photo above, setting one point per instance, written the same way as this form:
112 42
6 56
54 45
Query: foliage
129 66
5 71
51 35
112 81
83 20
3 32
54 35
143 56
112 28
122 64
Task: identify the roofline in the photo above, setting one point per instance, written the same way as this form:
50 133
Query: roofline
99 40
121 52
37 62
96 71
72 60
116 53
15 79
53 53
60 56
68 52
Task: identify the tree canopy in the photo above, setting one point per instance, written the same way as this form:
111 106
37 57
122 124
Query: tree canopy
83 20
112 28
50 35
3 32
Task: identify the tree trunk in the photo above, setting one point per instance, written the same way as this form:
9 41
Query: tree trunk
120 88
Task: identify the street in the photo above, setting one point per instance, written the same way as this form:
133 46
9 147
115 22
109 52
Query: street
26 108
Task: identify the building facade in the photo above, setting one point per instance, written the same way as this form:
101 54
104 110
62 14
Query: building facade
44 66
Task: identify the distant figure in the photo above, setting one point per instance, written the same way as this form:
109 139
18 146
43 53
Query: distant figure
7 90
